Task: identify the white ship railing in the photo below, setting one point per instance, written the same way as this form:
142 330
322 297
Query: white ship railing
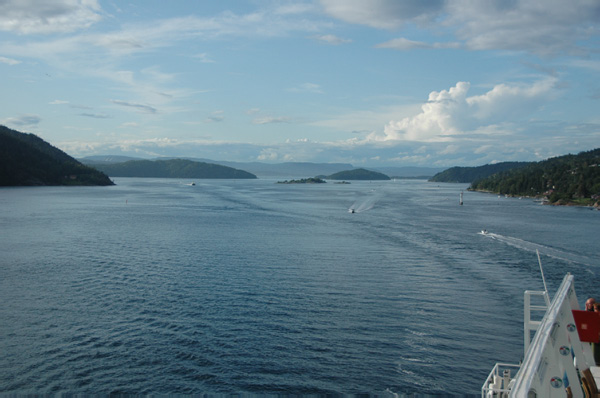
556 363
530 325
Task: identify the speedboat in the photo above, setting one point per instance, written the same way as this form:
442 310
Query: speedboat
484 232
559 360
350 210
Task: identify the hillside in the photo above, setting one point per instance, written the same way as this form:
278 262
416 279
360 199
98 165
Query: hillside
285 169
26 159
569 179
470 174
358 174
173 168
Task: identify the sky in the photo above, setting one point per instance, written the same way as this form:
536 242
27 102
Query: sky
372 83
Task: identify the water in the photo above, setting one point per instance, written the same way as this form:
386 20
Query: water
157 287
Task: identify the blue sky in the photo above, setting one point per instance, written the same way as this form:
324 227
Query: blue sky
372 83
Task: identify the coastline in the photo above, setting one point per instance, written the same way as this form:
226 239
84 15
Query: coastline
545 201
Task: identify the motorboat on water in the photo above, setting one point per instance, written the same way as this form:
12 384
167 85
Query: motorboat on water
350 210
484 232
559 360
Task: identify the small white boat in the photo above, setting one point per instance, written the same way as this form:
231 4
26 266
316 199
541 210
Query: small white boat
350 210
559 360
484 232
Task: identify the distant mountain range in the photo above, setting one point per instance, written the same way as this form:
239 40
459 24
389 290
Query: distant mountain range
26 160
288 169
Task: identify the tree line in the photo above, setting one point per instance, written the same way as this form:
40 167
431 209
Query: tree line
564 179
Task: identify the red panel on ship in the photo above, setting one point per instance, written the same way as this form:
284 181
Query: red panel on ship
588 325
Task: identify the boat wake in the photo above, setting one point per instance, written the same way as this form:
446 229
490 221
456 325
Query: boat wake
364 204
544 250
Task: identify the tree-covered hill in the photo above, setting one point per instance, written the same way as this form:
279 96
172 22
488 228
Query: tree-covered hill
470 174
26 159
563 180
358 174
172 168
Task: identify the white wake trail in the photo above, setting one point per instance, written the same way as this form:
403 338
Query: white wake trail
544 250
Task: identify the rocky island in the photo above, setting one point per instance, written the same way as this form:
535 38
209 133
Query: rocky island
312 180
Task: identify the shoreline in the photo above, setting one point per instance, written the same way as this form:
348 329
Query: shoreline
544 199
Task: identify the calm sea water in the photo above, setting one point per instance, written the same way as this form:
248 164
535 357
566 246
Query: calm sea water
157 287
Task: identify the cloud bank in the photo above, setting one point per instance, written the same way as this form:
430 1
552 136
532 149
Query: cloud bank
56 16
542 27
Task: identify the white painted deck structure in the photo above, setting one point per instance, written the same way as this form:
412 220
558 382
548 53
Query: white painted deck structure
556 363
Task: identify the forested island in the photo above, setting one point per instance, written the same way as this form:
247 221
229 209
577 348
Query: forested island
312 180
172 168
563 180
358 174
27 160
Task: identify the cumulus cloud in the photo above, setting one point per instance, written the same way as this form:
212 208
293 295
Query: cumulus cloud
449 113
50 16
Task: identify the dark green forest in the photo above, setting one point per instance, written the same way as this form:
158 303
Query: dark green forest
26 159
569 179
173 168
470 174
358 174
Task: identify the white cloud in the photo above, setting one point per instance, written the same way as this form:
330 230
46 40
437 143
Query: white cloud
384 14
542 27
22 121
271 119
307 88
332 39
449 113
406 44
204 58
9 61
49 16
268 154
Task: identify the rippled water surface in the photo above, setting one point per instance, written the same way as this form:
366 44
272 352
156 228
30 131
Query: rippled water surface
155 286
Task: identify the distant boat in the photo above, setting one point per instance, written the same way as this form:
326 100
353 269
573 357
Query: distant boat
461 199
192 184
484 232
350 210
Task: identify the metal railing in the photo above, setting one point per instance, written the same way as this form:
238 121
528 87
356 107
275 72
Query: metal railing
554 360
